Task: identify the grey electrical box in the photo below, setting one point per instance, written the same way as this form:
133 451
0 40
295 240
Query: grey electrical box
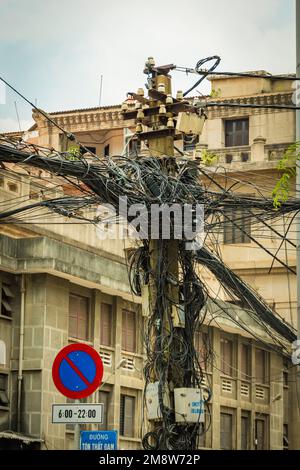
189 405
152 402
190 123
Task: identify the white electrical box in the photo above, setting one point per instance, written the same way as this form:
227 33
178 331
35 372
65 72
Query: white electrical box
189 405
152 402
146 301
190 123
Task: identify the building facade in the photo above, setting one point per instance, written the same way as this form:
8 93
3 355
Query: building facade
60 283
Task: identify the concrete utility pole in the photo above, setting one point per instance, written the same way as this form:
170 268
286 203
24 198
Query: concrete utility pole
155 125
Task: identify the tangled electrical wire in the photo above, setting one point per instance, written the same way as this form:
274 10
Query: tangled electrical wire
172 359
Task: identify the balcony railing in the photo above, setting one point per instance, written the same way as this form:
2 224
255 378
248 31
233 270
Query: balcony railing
228 155
275 152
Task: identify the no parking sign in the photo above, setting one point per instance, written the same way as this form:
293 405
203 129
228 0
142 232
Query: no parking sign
77 371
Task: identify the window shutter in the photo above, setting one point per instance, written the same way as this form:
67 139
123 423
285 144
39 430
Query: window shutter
261 366
201 339
260 434
122 403
129 416
245 433
236 132
105 324
128 331
78 317
226 356
246 363
226 431
124 330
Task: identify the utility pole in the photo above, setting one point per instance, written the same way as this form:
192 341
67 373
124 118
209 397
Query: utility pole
156 127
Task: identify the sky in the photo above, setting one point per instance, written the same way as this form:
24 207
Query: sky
54 52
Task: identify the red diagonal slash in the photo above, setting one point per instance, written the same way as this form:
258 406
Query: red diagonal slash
78 371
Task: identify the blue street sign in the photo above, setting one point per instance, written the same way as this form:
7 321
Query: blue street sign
98 440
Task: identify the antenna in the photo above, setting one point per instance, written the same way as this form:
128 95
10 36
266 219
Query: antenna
100 91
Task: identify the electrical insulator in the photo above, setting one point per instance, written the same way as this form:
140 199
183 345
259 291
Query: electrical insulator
124 106
137 105
145 106
170 123
138 128
179 95
140 92
150 62
161 88
169 99
162 109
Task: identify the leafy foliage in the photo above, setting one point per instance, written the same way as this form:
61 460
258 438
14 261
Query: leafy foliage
288 164
73 153
208 158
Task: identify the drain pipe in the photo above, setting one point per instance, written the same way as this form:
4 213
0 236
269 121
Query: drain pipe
21 352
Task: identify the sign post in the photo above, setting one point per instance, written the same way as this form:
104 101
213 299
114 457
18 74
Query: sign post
77 372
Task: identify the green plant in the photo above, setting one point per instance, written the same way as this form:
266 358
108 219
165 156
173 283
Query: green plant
208 158
287 164
215 93
73 153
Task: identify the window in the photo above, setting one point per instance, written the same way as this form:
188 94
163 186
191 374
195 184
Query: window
246 361
201 344
190 142
134 148
6 299
237 226
106 150
87 149
104 398
128 331
236 132
226 422
4 390
127 406
261 366
79 317
245 430
105 324
261 442
13 187
228 158
132 145
227 357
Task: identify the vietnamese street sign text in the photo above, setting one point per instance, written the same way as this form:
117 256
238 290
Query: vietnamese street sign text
77 413
98 440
